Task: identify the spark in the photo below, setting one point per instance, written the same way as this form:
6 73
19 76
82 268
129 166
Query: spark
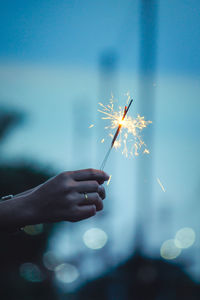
146 151
108 182
103 140
92 125
161 185
128 129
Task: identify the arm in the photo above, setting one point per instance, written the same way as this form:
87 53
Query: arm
69 196
14 213
28 191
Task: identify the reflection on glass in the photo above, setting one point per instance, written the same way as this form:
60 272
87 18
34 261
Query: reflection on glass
66 273
169 250
31 272
95 238
185 238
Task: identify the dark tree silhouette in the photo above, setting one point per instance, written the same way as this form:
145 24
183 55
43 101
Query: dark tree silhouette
142 278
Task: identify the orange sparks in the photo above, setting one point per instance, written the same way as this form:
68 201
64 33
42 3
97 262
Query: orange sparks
108 182
146 151
128 129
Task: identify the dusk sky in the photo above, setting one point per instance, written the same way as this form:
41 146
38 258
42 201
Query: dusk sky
76 32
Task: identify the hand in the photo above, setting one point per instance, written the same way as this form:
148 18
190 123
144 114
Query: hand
70 196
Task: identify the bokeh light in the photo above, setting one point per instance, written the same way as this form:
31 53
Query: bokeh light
31 272
34 229
169 250
95 238
66 273
185 238
50 260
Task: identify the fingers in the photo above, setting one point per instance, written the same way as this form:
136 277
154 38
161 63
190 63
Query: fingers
91 187
90 174
91 199
87 186
86 211
102 192
78 183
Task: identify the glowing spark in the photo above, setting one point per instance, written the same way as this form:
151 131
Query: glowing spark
128 129
92 125
161 185
146 151
108 182
102 141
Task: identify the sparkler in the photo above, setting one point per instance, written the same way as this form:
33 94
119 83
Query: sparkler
131 128
116 135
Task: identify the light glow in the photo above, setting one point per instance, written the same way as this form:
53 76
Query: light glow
161 185
34 229
130 129
31 272
50 261
66 273
185 238
108 182
95 238
169 250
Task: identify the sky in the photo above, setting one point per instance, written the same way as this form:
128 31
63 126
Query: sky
50 69
76 32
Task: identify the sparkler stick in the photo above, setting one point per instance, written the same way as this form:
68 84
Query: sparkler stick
116 135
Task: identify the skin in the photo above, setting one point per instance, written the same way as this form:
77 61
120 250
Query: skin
62 198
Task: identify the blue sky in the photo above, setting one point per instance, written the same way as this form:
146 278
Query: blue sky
78 31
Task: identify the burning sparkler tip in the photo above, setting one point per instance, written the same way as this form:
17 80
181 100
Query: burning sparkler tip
125 126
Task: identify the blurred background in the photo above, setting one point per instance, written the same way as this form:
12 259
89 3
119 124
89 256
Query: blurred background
58 60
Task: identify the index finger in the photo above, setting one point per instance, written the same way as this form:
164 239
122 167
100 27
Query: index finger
90 174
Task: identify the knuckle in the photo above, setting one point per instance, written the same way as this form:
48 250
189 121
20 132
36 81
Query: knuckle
63 175
96 186
92 172
66 175
66 188
69 186
101 205
98 202
96 197
70 199
102 190
104 194
93 210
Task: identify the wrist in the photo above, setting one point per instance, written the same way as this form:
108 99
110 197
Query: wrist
15 212
25 207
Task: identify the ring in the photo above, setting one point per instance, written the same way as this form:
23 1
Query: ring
86 196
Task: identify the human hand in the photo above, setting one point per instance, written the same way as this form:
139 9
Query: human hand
69 196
